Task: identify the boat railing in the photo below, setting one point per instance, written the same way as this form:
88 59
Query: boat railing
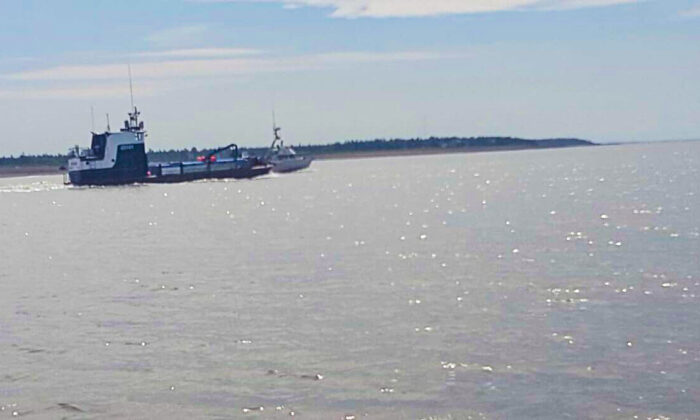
81 152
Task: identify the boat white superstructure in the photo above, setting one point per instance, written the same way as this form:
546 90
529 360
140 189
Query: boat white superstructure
284 158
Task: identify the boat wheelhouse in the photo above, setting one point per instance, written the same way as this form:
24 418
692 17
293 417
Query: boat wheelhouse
113 158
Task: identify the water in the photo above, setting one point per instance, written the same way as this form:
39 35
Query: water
531 284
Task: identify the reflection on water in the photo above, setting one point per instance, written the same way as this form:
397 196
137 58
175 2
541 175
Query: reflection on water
31 184
532 284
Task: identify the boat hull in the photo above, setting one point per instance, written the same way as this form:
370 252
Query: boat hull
236 173
100 177
291 165
105 177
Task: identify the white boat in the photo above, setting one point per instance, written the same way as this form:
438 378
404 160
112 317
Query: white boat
284 158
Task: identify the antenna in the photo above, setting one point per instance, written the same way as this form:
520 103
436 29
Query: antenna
108 129
131 87
274 123
275 129
92 117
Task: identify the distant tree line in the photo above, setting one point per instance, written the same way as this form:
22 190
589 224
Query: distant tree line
350 146
34 160
379 145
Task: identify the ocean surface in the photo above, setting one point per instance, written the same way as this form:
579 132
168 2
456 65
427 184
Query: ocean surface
545 284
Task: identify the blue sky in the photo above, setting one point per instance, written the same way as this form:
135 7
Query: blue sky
210 72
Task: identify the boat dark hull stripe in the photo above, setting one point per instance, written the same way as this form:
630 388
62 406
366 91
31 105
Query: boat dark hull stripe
237 173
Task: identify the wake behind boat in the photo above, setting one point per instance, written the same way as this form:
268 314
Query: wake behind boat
117 158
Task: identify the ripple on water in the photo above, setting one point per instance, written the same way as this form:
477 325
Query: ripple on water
351 321
39 186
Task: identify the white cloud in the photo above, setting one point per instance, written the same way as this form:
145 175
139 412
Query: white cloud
82 91
578 4
414 8
217 66
375 57
110 80
199 53
18 59
152 70
178 37
693 12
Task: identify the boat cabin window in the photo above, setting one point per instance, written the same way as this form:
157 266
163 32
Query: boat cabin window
99 142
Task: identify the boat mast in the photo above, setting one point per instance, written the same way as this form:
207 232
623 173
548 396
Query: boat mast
276 131
131 87
133 123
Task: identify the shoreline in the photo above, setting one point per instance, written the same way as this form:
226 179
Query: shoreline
23 171
432 151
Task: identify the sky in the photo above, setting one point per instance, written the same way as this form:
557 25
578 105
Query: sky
211 72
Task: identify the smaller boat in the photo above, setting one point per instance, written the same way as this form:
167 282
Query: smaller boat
284 158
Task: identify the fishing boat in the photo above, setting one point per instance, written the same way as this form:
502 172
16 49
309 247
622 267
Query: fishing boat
284 158
117 158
